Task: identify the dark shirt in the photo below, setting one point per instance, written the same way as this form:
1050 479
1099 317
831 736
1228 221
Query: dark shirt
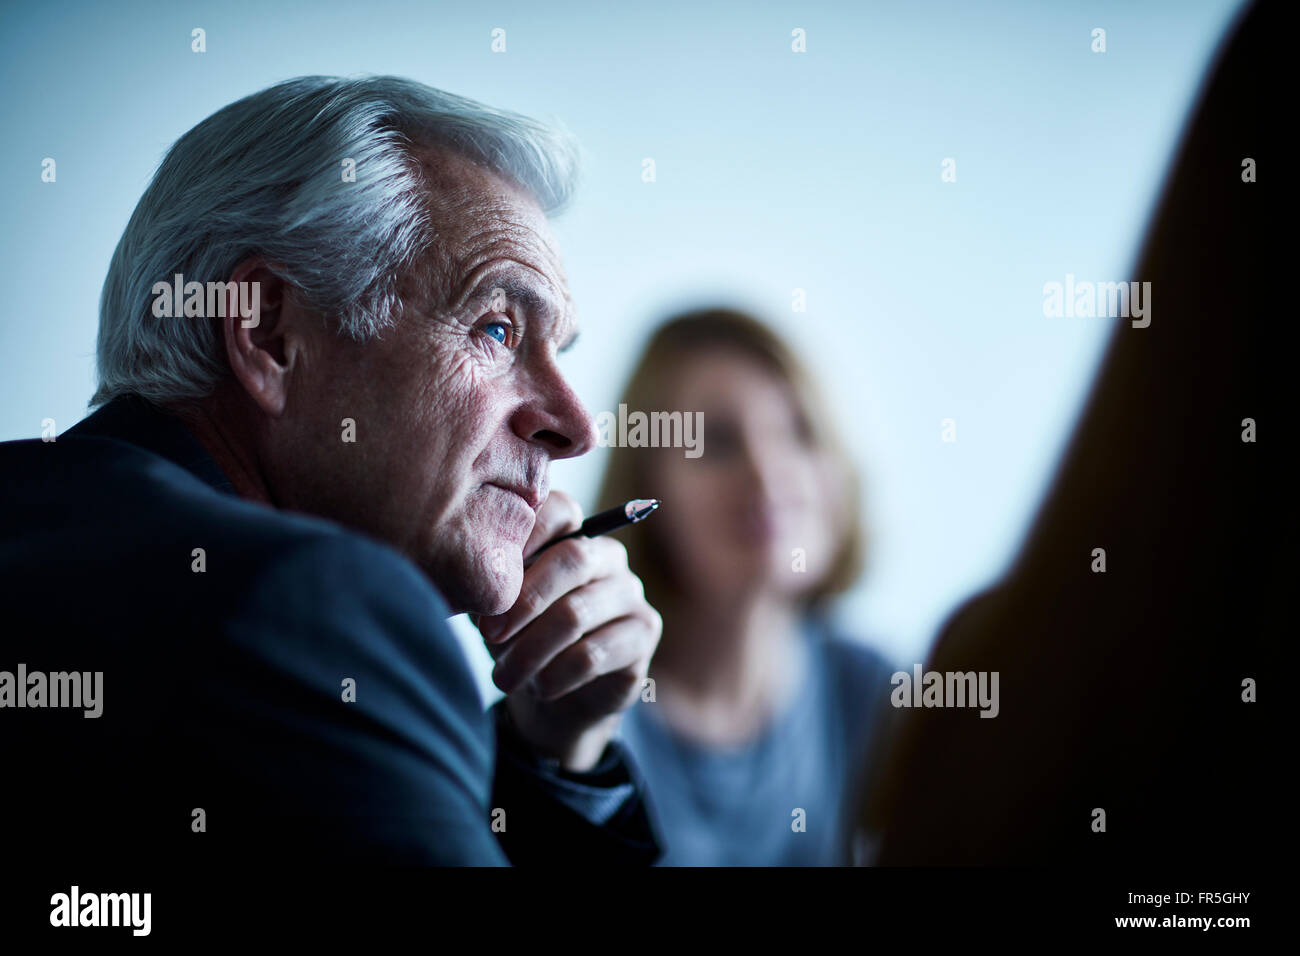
223 689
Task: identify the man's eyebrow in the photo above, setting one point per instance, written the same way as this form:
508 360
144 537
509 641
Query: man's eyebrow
522 293
527 296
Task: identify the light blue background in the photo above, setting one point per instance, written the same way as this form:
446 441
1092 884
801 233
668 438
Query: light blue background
776 171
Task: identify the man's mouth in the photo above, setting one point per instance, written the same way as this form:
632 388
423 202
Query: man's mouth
532 497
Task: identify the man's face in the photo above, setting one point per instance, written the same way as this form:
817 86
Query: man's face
458 409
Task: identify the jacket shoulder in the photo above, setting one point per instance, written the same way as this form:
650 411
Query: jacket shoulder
121 501
304 674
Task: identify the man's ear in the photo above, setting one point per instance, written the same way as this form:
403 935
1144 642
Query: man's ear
262 332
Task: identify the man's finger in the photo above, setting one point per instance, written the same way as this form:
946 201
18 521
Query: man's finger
558 571
624 645
580 611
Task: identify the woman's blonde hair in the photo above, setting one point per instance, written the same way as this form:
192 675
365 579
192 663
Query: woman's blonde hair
648 388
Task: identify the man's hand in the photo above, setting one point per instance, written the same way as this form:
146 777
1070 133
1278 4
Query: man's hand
574 650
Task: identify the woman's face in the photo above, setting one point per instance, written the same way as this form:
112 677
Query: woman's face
755 510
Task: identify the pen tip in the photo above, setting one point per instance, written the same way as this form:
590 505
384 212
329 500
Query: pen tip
638 508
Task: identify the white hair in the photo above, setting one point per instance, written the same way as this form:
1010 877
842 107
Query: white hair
264 176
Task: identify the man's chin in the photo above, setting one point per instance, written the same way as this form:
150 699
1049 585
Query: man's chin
496 604
489 589
480 605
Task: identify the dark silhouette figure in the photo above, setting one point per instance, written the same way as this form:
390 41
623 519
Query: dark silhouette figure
1124 690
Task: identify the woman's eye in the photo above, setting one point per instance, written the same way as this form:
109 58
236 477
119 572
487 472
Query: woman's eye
721 440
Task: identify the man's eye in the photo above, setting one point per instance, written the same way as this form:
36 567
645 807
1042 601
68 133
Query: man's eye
501 331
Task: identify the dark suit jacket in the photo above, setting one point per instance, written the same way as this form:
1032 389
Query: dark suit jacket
223 689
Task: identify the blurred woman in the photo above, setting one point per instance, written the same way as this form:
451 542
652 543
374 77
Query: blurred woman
752 733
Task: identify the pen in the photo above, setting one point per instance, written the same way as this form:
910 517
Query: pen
629 512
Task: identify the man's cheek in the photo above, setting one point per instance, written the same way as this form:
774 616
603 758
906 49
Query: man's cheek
462 397
459 376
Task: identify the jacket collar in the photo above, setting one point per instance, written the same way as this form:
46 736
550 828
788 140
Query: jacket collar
139 422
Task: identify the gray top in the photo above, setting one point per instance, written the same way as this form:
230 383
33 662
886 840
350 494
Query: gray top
736 806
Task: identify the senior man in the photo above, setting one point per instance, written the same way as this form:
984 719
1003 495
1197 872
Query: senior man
258 538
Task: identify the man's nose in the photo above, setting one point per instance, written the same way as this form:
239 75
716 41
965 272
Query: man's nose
555 419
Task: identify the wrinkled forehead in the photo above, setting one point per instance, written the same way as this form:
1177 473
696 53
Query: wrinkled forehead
482 219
